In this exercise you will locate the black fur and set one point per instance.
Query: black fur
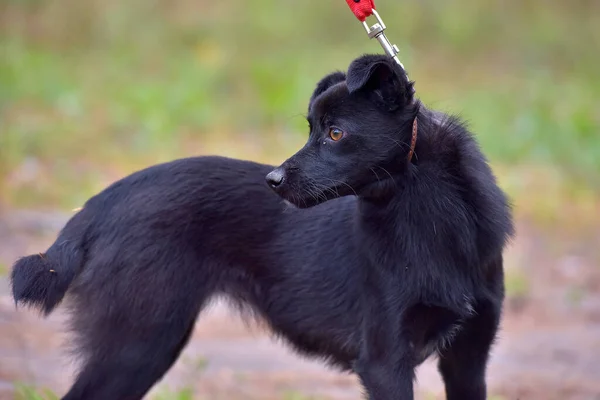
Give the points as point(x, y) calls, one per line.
point(383, 262)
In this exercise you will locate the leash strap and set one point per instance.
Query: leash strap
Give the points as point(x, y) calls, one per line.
point(361, 8)
point(365, 8)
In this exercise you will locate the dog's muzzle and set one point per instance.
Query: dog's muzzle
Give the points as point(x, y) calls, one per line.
point(276, 177)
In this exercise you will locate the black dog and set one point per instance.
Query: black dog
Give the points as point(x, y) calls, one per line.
point(392, 253)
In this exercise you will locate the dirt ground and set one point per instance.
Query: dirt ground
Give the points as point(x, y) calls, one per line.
point(548, 349)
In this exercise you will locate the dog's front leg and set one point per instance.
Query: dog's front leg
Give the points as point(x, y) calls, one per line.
point(386, 361)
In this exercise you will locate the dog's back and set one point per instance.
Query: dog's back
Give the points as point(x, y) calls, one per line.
point(142, 257)
point(172, 194)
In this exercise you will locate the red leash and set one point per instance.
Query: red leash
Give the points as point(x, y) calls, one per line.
point(361, 8)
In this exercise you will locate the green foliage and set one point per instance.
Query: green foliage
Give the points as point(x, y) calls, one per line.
point(517, 284)
point(183, 394)
point(26, 392)
point(293, 395)
point(90, 92)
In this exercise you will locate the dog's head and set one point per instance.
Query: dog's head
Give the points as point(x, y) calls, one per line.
point(360, 130)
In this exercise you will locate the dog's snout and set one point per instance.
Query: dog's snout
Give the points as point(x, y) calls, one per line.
point(275, 177)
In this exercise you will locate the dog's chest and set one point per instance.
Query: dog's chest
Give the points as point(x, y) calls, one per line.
point(432, 328)
point(435, 345)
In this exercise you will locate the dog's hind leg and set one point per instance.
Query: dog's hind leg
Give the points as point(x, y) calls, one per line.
point(132, 366)
point(463, 363)
point(132, 326)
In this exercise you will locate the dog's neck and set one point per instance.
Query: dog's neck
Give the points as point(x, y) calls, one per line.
point(421, 124)
point(426, 122)
point(406, 207)
point(413, 173)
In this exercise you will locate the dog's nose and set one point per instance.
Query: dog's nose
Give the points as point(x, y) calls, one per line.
point(275, 177)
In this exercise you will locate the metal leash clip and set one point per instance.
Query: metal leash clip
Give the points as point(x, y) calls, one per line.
point(377, 31)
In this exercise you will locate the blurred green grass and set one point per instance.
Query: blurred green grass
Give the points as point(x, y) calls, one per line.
point(27, 392)
point(92, 91)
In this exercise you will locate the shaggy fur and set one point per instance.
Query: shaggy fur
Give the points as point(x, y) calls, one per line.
point(382, 263)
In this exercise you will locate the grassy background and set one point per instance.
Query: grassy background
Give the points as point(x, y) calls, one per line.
point(90, 91)
point(93, 90)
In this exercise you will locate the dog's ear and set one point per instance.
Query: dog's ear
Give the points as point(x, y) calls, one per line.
point(382, 79)
point(326, 83)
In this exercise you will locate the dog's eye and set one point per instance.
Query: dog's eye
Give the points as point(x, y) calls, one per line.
point(335, 134)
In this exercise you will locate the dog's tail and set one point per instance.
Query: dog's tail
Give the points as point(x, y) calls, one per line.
point(41, 280)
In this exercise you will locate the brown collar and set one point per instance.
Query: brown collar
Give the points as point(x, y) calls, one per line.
point(413, 140)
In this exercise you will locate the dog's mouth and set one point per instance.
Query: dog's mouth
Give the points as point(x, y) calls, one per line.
point(308, 194)
point(301, 192)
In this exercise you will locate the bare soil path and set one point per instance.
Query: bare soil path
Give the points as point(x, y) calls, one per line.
point(549, 347)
